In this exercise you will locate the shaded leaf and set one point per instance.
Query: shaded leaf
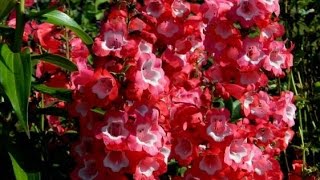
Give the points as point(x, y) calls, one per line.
point(61, 19)
point(61, 93)
point(20, 174)
point(234, 107)
point(52, 111)
point(99, 111)
point(5, 30)
point(5, 7)
point(56, 60)
point(317, 86)
point(15, 79)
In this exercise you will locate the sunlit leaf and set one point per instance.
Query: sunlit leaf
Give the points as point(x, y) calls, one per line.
point(20, 174)
point(56, 60)
point(5, 7)
point(15, 79)
point(61, 19)
point(61, 93)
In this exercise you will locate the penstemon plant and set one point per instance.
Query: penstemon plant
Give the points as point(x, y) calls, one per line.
point(166, 89)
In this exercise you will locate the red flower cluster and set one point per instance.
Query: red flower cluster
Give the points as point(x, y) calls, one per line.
point(158, 67)
point(157, 70)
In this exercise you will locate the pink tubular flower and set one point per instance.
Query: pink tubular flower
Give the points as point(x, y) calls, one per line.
point(256, 105)
point(285, 109)
point(252, 54)
point(264, 133)
point(88, 169)
point(278, 58)
point(103, 89)
point(145, 133)
point(116, 160)
point(168, 28)
point(272, 30)
point(180, 8)
point(150, 167)
point(154, 8)
point(149, 75)
point(210, 164)
point(235, 153)
point(218, 127)
point(184, 148)
point(49, 37)
point(146, 168)
point(105, 86)
point(249, 12)
point(112, 38)
point(113, 131)
point(272, 6)
point(248, 9)
point(247, 157)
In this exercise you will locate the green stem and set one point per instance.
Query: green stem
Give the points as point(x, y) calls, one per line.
point(286, 160)
point(300, 122)
point(293, 84)
point(20, 23)
point(42, 116)
point(302, 139)
point(67, 43)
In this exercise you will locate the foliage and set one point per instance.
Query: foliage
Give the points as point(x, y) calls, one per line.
point(301, 19)
point(71, 74)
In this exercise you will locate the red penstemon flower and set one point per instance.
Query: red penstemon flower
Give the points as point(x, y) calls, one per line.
point(157, 70)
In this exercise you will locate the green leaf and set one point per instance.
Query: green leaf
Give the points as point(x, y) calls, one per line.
point(18, 171)
point(5, 7)
point(98, 111)
point(6, 31)
point(56, 60)
point(52, 111)
point(61, 19)
point(20, 174)
point(15, 79)
point(61, 93)
point(98, 2)
point(234, 107)
point(317, 86)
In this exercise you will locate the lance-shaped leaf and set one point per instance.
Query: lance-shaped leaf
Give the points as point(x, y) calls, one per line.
point(6, 30)
point(56, 60)
point(5, 7)
point(20, 174)
point(52, 111)
point(61, 19)
point(99, 111)
point(234, 107)
point(60, 93)
point(15, 81)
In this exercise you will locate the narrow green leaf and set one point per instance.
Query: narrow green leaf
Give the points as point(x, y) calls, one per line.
point(34, 176)
point(99, 111)
point(6, 30)
point(52, 111)
point(15, 79)
point(63, 94)
point(61, 19)
point(98, 2)
point(236, 110)
point(5, 7)
point(18, 171)
point(56, 60)
point(234, 107)
point(20, 174)
point(317, 86)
